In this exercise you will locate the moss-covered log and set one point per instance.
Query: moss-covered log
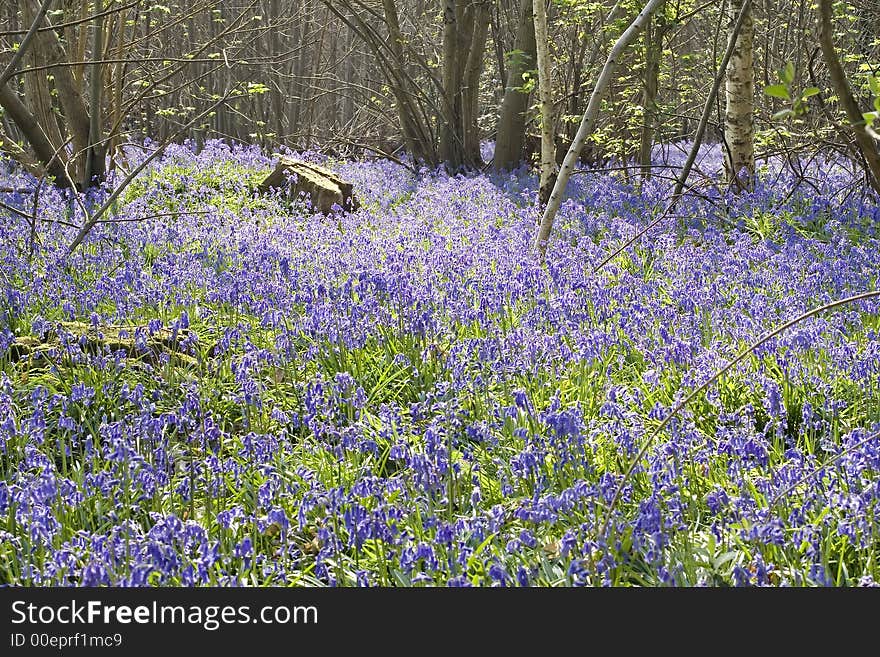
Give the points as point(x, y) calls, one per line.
point(106, 340)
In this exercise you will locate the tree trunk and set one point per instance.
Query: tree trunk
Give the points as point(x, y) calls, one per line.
point(465, 27)
point(512, 121)
point(450, 146)
point(863, 140)
point(350, 65)
point(739, 120)
point(545, 91)
point(276, 81)
point(51, 156)
point(30, 128)
point(76, 116)
point(119, 71)
point(471, 85)
point(95, 164)
point(653, 51)
point(297, 71)
point(37, 95)
point(409, 122)
point(588, 123)
point(498, 43)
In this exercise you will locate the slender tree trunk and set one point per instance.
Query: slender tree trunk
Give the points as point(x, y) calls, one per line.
point(76, 116)
point(94, 161)
point(409, 122)
point(739, 120)
point(350, 66)
point(471, 85)
point(498, 43)
point(850, 105)
point(313, 80)
point(277, 82)
point(37, 93)
point(294, 109)
point(450, 150)
point(118, 84)
point(29, 126)
point(75, 39)
point(512, 121)
point(148, 102)
point(588, 123)
point(653, 51)
point(50, 156)
point(545, 93)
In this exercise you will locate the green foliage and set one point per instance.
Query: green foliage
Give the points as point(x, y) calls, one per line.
point(530, 82)
point(256, 88)
point(797, 100)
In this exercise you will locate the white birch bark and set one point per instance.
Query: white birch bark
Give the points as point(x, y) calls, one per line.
point(739, 118)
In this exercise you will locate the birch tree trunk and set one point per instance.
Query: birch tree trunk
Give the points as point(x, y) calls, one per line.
point(588, 123)
point(739, 119)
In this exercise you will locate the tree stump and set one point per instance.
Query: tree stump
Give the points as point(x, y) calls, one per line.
point(323, 187)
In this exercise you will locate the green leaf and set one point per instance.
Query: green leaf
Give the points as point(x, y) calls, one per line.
point(256, 88)
point(874, 85)
point(782, 114)
point(877, 103)
point(777, 91)
point(720, 560)
point(787, 73)
point(810, 91)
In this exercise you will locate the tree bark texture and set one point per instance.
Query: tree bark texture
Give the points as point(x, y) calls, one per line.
point(515, 104)
point(545, 94)
point(739, 118)
point(653, 51)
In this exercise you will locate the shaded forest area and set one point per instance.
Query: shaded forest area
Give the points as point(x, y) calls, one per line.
point(429, 80)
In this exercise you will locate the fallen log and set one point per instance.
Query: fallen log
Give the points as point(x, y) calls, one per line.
point(105, 340)
point(323, 188)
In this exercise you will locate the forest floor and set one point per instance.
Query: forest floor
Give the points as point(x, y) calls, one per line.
point(222, 389)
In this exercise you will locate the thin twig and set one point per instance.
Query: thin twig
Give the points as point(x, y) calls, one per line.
point(9, 71)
